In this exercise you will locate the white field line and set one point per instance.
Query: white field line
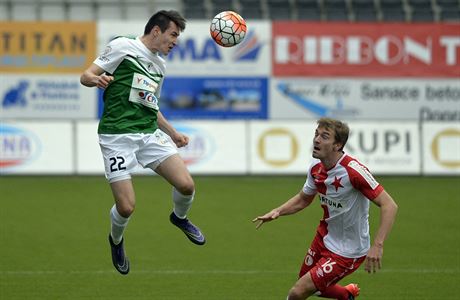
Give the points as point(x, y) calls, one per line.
point(207, 272)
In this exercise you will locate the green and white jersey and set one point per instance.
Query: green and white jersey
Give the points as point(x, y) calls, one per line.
point(131, 99)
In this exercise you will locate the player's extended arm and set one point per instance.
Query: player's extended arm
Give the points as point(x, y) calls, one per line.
point(178, 138)
point(95, 76)
point(293, 205)
point(388, 209)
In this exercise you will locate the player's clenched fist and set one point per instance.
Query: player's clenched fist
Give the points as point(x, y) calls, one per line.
point(103, 81)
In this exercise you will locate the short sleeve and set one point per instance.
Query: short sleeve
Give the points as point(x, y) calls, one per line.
point(111, 57)
point(362, 180)
point(309, 187)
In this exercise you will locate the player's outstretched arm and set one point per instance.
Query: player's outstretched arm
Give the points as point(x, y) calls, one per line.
point(293, 205)
point(388, 210)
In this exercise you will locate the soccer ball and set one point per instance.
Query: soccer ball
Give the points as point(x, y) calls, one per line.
point(228, 28)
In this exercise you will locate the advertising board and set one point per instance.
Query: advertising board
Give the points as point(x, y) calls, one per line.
point(215, 147)
point(46, 47)
point(214, 98)
point(36, 148)
point(286, 147)
point(51, 96)
point(441, 148)
point(366, 50)
point(365, 99)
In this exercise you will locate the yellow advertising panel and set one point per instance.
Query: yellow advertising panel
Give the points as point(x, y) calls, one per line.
point(46, 47)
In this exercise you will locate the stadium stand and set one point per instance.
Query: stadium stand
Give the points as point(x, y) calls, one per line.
point(222, 5)
point(448, 4)
point(449, 10)
point(109, 10)
point(421, 11)
point(23, 11)
point(336, 10)
point(52, 11)
point(311, 10)
point(279, 10)
point(393, 11)
point(138, 10)
point(195, 9)
point(364, 11)
point(81, 11)
point(252, 9)
point(4, 11)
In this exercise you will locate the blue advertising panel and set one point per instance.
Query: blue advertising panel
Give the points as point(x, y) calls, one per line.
point(213, 98)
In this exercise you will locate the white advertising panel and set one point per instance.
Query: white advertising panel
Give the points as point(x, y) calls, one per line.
point(386, 147)
point(286, 147)
point(89, 157)
point(197, 54)
point(36, 148)
point(214, 147)
point(364, 99)
point(441, 148)
point(47, 97)
point(280, 147)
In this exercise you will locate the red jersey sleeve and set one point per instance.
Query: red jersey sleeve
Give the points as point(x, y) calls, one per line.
point(362, 179)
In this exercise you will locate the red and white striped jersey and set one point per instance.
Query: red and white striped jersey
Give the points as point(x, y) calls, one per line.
point(344, 192)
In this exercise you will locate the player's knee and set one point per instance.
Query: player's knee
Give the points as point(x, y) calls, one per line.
point(186, 188)
point(125, 209)
point(295, 294)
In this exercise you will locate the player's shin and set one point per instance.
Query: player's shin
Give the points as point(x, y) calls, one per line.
point(182, 203)
point(119, 224)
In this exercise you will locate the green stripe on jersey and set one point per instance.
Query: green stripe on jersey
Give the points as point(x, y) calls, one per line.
point(121, 115)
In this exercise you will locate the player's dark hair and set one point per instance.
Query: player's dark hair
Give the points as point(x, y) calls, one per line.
point(341, 130)
point(162, 19)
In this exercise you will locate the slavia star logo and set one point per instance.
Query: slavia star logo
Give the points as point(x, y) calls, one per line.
point(337, 183)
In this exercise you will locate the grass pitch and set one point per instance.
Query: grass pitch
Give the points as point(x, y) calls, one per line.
point(53, 241)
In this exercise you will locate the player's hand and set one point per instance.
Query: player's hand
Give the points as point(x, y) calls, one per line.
point(374, 259)
point(270, 216)
point(103, 81)
point(180, 139)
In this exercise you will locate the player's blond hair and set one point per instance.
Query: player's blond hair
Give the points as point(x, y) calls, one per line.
point(341, 130)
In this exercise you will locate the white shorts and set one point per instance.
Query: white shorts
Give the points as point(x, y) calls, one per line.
point(123, 152)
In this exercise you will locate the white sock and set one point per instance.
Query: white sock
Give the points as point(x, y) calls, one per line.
point(119, 224)
point(182, 203)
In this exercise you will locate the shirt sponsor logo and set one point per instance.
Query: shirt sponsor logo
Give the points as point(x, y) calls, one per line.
point(143, 91)
point(364, 173)
point(145, 83)
point(329, 202)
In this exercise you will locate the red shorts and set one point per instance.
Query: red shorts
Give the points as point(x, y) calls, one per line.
point(327, 268)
